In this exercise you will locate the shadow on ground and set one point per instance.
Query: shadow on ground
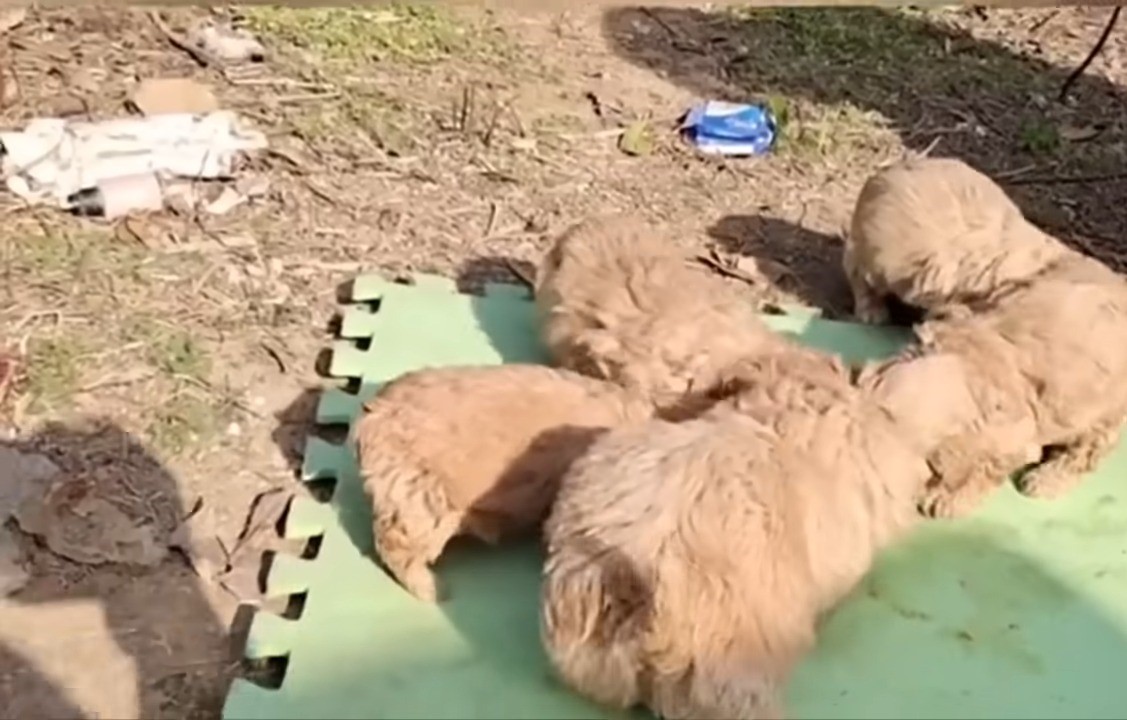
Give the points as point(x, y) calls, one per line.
point(927, 79)
point(157, 614)
point(477, 271)
point(810, 260)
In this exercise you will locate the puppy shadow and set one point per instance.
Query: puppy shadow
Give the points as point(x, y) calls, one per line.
point(493, 592)
point(501, 300)
point(799, 262)
point(295, 424)
point(476, 273)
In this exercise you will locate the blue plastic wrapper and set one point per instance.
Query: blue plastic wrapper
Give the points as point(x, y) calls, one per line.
point(723, 128)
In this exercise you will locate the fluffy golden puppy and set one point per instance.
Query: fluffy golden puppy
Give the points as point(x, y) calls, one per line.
point(929, 231)
point(1046, 361)
point(687, 563)
point(474, 450)
point(619, 301)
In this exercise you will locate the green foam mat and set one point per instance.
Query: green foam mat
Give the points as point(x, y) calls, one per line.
point(1017, 612)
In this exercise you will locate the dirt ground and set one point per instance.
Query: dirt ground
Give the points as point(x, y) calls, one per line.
point(164, 363)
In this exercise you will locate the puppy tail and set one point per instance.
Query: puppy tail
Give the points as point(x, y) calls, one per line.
point(591, 622)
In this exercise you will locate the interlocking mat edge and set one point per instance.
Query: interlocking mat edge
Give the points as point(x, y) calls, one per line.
point(1020, 611)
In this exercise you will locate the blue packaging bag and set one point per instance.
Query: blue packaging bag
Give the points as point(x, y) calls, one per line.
point(723, 128)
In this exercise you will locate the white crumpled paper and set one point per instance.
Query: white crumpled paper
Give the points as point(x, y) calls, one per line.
point(51, 159)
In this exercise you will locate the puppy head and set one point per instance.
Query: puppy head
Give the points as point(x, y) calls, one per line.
point(928, 396)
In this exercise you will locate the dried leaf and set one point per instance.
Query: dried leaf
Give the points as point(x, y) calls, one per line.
point(243, 584)
point(637, 139)
point(258, 531)
point(1080, 133)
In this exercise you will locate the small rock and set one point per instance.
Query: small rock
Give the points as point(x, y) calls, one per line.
point(234, 430)
point(225, 42)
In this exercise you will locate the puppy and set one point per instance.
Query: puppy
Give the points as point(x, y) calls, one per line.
point(688, 563)
point(1046, 360)
point(618, 301)
point(476, 451)
point(931, 231)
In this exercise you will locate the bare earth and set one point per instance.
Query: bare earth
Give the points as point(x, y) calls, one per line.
point(165, 363)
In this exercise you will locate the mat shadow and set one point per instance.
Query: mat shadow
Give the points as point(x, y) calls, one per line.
point(494, 282)
point(930, 80)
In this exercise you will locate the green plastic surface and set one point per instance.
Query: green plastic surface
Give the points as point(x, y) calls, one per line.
point(1018, 612)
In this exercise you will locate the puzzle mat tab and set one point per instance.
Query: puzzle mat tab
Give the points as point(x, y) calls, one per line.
point(1018, 612)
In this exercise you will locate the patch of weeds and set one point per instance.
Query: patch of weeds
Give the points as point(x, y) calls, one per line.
point(53, 371)
point(45, 254)
point(1039, 137)
point(398, 31)
point(185, 421)
point(382, 119)
point(814, 132)
point(76, 253)
point(361, 111)
point(179, 354)
point(171, 350)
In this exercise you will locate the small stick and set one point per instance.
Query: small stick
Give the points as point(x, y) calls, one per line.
point(1068, 179)
point(524, 277)
point(1091, 56)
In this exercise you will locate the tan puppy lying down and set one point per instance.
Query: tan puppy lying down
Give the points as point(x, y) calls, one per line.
point(934, 230)
point(688, 563)
point(1046, 365)
point(474, 450)
point(619, 301)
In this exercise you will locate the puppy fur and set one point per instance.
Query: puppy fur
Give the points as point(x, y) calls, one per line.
point(688, 563)
point(930, 231)
point(474, 450)
point(1046, 360)
point(619, 301)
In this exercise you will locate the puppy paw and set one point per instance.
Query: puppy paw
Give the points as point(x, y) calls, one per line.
point(420, 581)
point(935, 503)
point(875, 313)
point(1046, 482)
point(943, 503)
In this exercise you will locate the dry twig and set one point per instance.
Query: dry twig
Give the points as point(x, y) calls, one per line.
point(1091, 56)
